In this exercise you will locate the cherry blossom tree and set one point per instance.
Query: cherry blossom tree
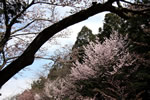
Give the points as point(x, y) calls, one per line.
point(100, 57)
point(107, 69)
point(27, 95)
point(97, 74)
point(101, 60)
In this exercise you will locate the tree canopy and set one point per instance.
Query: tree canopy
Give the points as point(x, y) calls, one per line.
point(9, 17)
point(113, 64)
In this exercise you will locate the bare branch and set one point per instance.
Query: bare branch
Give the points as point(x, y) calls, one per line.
point(45, 58)
point(134, 4)
point(18, 15)
point(23, 27)
point(5, 13)
point(4, 60)
point(139, 12)
point(8, 26)
point(23, 34)
point(40, 2)
point(55, 4)
point(27, 26)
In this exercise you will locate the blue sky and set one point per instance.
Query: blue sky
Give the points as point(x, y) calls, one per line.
point(15, 86)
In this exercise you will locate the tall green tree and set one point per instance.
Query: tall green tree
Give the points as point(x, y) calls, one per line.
point(83, 38)
point(112, 23)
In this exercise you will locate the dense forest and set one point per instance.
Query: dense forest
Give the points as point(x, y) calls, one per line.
point(26, 25)
point(111, 65)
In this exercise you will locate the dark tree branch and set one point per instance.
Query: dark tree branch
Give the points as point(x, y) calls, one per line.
point(119, 4)
point(5, 12)
point(26, 33)
point(139, 12)
point(20, 14)
point(12, 22)
point(110, 2)
point(4, 60)
point(119, 12)
point(7, 33)
point(5, 38)
point(13, 35)
point(134, 4)
point(23, 27)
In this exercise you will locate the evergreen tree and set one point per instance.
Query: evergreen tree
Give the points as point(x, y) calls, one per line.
point(83, 38)
point(112, 23)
